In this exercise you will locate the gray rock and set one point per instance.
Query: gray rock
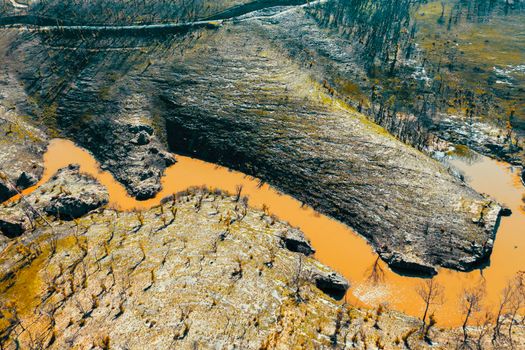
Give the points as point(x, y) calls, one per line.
point(405, 265)
point(11, 229)
point(142, 138)
point(332, 284)
point(328, 281)
point(295, 241)
point(71, 207)
point(6, 191)
point(138, 128)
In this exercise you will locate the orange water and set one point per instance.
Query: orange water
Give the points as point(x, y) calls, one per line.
point(336, 244)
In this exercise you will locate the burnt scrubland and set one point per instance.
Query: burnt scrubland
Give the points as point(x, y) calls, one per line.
point(454, 68)
point(202, 269)
point(326, 101)
point(230, 95)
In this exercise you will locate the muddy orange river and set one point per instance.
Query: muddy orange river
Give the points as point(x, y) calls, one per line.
point(336, 244)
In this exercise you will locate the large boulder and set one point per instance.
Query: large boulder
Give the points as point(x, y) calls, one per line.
point(12, 228)
point(71, 207)
point(295, 241)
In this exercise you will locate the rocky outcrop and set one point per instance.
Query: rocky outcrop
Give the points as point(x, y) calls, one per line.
point(233, 96)
point(68, 195)
point(479, 136)
point(408, 264)
point(22, 146)
point(71, 207)
point(26, 180)
point(12, 226)
point(128, 148)
point(331, 283)
point(295, 241)
point(165, 278)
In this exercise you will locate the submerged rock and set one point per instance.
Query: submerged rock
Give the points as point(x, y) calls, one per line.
point(505, 211)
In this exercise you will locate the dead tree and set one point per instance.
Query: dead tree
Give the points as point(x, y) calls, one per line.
point(470, 301)
point(517, 303)
point(507, 304)
point(431, 292)
point(483, 326)
point(376, 273)
point(238, 190)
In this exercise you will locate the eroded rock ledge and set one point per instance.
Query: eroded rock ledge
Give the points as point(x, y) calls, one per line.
point(67, 196)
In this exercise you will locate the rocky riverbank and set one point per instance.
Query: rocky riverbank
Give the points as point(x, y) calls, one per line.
point(22, 147)
point(201, 270)
point(234, 96)
point(269, 91)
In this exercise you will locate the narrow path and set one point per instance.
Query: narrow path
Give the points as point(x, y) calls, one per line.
point(238, 13)
point(17, 5)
